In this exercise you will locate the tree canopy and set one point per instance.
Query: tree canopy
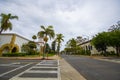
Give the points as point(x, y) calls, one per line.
point(59, 39)
point(110, 38)
point(5, 22)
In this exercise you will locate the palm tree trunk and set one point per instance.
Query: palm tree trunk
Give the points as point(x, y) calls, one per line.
point(44, 50)
point(1, 31)
point(58, 48)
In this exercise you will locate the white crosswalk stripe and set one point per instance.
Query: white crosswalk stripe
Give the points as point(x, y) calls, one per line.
point(45, 70)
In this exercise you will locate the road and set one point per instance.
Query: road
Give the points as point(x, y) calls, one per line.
point(93, 69)
point(29, 69)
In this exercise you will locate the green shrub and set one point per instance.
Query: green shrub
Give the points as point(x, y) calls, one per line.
point(51, 54)
point(33, 52)
point(13, 54)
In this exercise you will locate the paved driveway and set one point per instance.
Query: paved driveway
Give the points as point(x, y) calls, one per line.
point(93, 69)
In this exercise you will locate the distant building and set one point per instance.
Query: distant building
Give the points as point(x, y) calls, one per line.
point(88, 46)
point(11, 42)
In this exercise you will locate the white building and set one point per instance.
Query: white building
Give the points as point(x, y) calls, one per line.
point(11, 42)
point(88, 46)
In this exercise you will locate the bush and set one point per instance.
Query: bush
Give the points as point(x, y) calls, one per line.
point(32, 52)
point(51, 54)
point(13, 54)
point(112, 53)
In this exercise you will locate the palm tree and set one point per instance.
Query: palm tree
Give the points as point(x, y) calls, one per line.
point(45, 33)
point(72, 43)
point(5, 22)
point(59, 39)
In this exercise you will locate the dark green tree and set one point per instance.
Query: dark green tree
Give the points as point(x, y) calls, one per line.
point(115, 40)
point(29, 48)
point(114, 37)
point(101, 41)
point(71, 46)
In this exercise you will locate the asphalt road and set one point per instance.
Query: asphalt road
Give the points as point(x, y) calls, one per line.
point(93, 69)
point(29, 69)
point(10, 68)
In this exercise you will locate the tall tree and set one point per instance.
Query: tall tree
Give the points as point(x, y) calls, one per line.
point(114, 40)
point(101, 41)
point(59, 39)
point(45, 33)
point(71, 46)
point(71, 43)
point(114, 37)
point(5, 22)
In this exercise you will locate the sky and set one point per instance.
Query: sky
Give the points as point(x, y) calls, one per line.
point(72, 18)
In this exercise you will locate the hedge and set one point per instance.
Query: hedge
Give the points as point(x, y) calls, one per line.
point(13, 54)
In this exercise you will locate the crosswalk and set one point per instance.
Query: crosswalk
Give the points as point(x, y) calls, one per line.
point(45, 70)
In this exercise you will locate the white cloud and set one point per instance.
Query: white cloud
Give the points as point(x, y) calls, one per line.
point(69, 17)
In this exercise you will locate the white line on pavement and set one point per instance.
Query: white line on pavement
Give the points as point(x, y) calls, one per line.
point(29, 70)
point(34, 71)
point(17, 76)
point(14, 70)
point(59, 76)
point(43, 67)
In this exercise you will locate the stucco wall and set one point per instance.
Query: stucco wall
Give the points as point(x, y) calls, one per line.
point(20, 41)
point(5, 39)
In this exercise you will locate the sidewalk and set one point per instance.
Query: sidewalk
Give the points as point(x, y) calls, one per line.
point(68, 72)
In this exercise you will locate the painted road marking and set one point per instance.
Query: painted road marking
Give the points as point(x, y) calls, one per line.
point(33, 74)
point(59, 76)
point(16, 78)
point(10, 64)
point(5, 64)
point(14, 70)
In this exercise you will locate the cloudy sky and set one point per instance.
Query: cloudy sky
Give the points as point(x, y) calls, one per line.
point(72, 18)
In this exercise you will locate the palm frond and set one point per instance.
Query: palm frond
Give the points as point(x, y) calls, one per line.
point(10, 25)
point(3, 15)
point(14, 17)
point(42, 27)
point(40, 34)
point(50, 27)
